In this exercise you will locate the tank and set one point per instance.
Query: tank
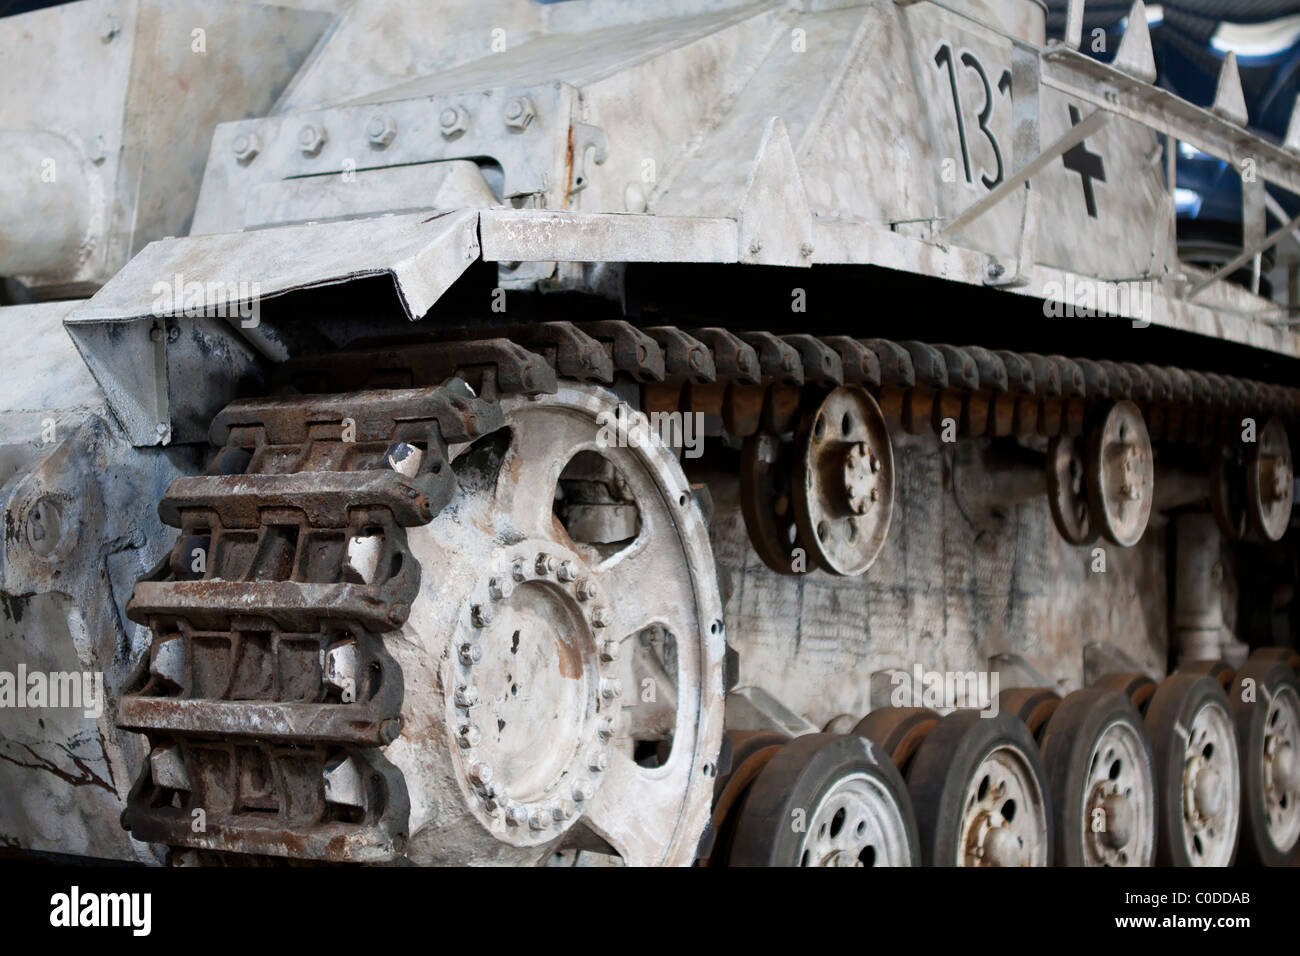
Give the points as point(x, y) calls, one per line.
point(709, 432)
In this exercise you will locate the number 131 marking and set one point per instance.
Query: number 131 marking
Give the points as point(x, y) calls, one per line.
point(944, 59)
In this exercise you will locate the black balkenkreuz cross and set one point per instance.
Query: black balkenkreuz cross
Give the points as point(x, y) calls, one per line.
point(1087, 165)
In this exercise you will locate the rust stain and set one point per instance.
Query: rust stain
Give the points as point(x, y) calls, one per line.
point(570, 660)
point(88, 777)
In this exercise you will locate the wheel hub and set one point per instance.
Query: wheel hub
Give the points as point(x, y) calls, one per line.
point(1004, 822)
point(534, 707)
point(1208, 793)
point(1211, 807)
point(860, 468)
point(1281, 769)
point(1119, 821)
point(1120, 791)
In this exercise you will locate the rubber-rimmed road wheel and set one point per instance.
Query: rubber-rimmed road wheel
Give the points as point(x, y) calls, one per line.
point(1136, 686)
point(1287, 655)
point(1102, 779)
point(827, 800)
point(898, 731)
point(1033, 705)
point(1265, 702)
point(1198, 772)
point(750, 752)
point(980, 793)
point(1218, 671)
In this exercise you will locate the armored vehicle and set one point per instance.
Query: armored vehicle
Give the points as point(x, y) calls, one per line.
point(699, 432)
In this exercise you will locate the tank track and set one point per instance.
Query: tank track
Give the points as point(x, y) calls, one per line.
point(267, 695)
point(267, 692)
point(753, 380)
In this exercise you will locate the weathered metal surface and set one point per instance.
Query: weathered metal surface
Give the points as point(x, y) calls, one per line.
point(135, 119)
point(214, 284)
point(80, 525)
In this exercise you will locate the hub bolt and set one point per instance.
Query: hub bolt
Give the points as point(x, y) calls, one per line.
point(609, 651)
point(611, 688)
point(481, 614)
point(481, 773)
point(466, 695)
point(470, 653)
point(600, 616)
point(544, 565)
point(586, 590)
point(598, 762)
point(566, 572)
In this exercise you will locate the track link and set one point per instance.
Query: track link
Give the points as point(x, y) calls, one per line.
point(267, 692)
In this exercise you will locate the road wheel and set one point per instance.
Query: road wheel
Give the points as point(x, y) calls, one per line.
point(980, 793)
point(827, 800)
point(1265, 701)
point(1102, 780)
point(1198, 772)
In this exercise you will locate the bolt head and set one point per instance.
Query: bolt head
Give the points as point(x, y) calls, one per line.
point(466, 695)
point(544, 564)
point(600, 616)
point(516, 816)
point(583, 791)
point(566, 571)
point(499, 589)
point(562, 810)
point(381, 129)
point(609, 651)
point(245, 147)
point(468, 736)
point(481, 615)
point(453, 121)
point(311, 138)
point(611, 688)
point(517, 570)
point(605, 728)
point(539, 819)
point(598, 761)
point(519, 112)
point(587, 590)
point(470, 653)
point(481, 773)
